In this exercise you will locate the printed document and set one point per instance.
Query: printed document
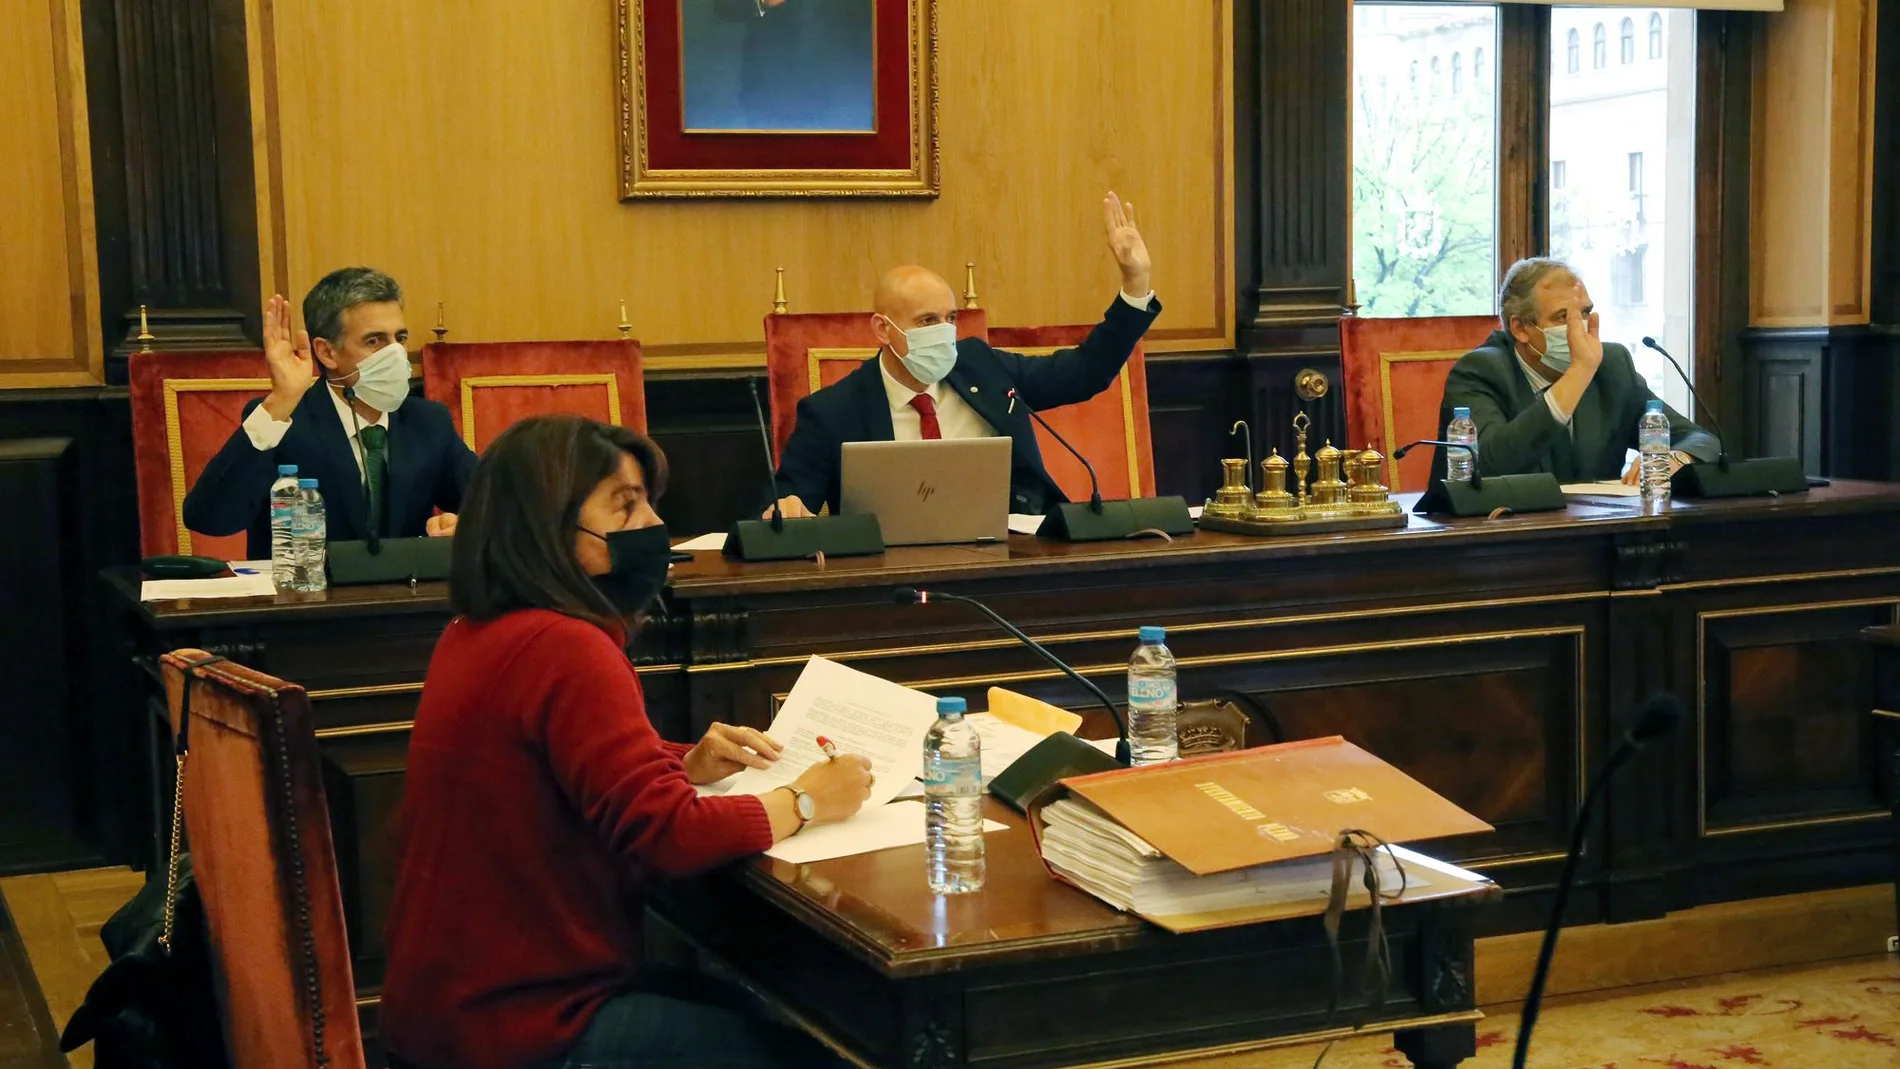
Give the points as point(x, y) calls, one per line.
point(861, 714)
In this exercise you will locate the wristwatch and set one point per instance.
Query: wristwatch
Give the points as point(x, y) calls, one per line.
point(803, 804)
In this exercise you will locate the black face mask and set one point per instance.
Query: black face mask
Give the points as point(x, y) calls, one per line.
point(637, 570)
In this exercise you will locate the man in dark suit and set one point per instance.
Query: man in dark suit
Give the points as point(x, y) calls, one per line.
point(1548, 395)
point(382, 460)
point(926, 383)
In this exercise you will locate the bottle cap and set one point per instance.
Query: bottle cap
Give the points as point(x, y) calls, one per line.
point(1150, 633)
point(306, 484)
point(286, 469)
point(950, 706)
point(1461, 412)
point(1653, 405)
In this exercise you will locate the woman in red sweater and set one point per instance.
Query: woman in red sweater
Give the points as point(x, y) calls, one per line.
point(539, 799)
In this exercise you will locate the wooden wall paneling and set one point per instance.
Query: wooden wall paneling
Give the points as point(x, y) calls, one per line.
point(717, 461)
point(1782, 392)
point(49, 284)
point(1523, 133)
point(1885, 244)
point(177, 211)
point(1192, 401)
point(1725, 47)
point(501, 204)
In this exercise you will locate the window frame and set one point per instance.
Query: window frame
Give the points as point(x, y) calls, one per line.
point(1573, 51)
point(1599, 47)
point(1655, 35)
point(1626, 41)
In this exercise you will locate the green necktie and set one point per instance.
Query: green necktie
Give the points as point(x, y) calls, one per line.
point(375, 473)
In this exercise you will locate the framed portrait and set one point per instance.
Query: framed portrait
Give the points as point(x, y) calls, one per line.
point(777, 98)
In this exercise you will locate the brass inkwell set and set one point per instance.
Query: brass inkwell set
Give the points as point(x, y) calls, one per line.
point(1344, 495)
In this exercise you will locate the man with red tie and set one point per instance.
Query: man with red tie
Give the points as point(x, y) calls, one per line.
point(925, 383)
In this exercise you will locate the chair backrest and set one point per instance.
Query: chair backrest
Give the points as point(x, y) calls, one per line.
point(1395, 373)
point(807, 351)
point(1111, 428)
point(261, 852)
point(490, 385)
point(184, 407)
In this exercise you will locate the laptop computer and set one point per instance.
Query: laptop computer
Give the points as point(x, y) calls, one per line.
point(926, 493)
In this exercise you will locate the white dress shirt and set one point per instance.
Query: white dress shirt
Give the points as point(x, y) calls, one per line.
point(955, 418)
point(265, 433)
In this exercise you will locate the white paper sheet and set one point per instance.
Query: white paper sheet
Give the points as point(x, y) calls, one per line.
point(706, 543)
point(880, 828)
point(1024, 525)
point(1607, 488)
point(228, 586)
point(861, 714)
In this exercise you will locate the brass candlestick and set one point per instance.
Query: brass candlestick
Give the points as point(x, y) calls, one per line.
point(1301, 462)
point(969, 284)
point(626, 327)
point(441, 328)
point(145, 338)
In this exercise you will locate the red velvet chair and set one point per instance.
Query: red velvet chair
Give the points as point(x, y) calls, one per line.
point(1395, 379)
point(1111, 428)
point(490, 385)
point(184, 407)
point(261, 853)
point(807, 351)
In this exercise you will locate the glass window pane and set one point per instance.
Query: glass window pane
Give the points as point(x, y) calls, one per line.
point(1622, 146)
point(1424, 190)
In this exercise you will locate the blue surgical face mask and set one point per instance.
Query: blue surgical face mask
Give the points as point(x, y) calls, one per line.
point(932, 351)
point(1556, 354)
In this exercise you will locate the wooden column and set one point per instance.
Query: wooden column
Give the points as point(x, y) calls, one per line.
point(169, 94)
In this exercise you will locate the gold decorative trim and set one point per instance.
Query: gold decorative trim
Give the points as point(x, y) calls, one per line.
point(376, 691)
point(974, 645)
point(1703, 831)
point(815, 358)
point(473, 382)
point(174, 437)
point(639, 179)
point(1889, 713)
point(1790, 577)
point(1392, 443)
point(357, 731)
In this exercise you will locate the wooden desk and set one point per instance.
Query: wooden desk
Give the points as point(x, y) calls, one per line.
point(1886, 641)
point(1494, 660)
point(1030, 973)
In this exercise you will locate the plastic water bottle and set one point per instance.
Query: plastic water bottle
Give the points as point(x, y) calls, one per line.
point(1152, 700)
point(1652, 444)
point(283, 506)
point(953, 802)
point(1459, 463)
point(309, 533)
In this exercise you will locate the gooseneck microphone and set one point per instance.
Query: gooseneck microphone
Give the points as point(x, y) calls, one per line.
point(771, 471)
point(1721, 440)
point(1656, 717)
point(375, 538)
point(1477, 480)
point(1095, 485)
point(910, 596)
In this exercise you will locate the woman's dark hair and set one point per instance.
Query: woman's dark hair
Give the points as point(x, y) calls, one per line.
point(514, 539)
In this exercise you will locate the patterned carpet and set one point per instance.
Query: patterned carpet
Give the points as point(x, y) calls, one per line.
point(1843, 1015)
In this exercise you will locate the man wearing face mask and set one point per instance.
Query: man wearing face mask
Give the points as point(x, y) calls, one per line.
point(926, 383)
point(339, 408)
point(1548, 395)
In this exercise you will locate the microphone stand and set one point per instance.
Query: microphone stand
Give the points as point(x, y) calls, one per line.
point(1492, 497)
point(1100, 521)
point(806, 536)
point(1732, 478)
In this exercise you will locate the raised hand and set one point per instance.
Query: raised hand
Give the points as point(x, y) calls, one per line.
point(1586, 345)
point(288, 358)
point(1125, 242)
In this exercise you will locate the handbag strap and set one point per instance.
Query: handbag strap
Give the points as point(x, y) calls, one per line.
point(181, 747)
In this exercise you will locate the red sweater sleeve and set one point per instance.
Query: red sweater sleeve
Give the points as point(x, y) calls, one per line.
point(677, 749)
point(617, 771)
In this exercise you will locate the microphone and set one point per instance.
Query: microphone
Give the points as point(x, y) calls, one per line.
point(771, 471)
point(375, 538)
point(1721, 440)
point(911, 596)
point(1656, 717)
point(1477, 480)
point(1095, 485)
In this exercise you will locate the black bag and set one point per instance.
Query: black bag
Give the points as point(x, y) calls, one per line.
point(155, 1006)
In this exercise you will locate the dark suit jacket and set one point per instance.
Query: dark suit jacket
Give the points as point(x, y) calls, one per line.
point(1517, 433)
point(856, 408)
point(429, 468)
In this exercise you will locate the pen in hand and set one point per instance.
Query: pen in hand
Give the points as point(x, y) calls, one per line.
point(831, 750)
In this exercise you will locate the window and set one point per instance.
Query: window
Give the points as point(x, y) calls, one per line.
point(1424, 162)
point(1622, 191)
point(1573, 52)
point(1626, 42)
point(1414, 69)
point(1655, 35)
point(1599, 48)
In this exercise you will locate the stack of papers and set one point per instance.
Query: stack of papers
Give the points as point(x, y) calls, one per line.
point(1089, 849)
point(228, 586)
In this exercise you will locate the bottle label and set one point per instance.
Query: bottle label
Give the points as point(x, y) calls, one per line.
point(1151, 690)
point(949, 775)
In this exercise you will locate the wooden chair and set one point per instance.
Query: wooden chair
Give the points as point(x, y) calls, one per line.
point(1111, 428)
point(488, 386)
point(185, 405)
point(261, 852)
point(1395, 373)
